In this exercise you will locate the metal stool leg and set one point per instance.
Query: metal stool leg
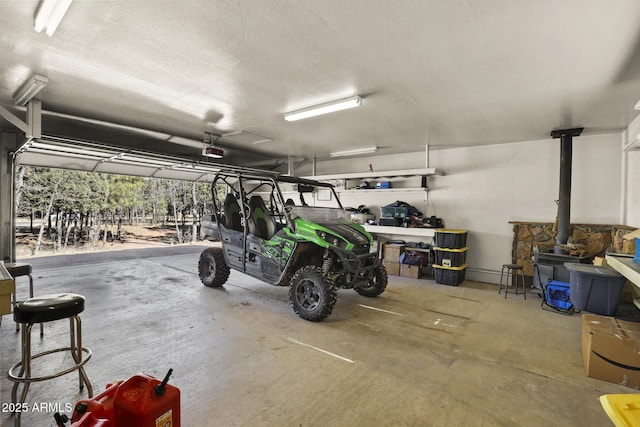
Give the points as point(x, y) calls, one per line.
point(30, 296)
point(25, 370)
point(524, 289)
point(500, 285)
point(75, 327)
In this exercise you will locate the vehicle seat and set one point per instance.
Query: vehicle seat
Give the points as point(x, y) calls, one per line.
point(261, 224)
point(231, 210)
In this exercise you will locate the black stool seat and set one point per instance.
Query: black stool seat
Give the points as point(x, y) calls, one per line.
point(48, 308)
point(512, 266)
point(16, 270)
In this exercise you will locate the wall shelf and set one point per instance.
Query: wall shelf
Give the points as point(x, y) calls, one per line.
point(378, 174)
point(379, 190)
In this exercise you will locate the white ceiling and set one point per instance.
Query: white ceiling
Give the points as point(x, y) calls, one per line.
point(443, 73)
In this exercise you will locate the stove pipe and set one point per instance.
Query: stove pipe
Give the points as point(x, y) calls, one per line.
point(564, 199)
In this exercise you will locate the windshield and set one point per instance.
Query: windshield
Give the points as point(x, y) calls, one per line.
point(320, 215)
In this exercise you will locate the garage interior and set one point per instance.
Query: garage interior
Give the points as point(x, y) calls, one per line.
point(463, 110)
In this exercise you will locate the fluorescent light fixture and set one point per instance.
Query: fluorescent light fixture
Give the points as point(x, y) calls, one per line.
point(637, 106)
point(354, 152)
point(29, 89)
point(329, 107)
point(49, 15)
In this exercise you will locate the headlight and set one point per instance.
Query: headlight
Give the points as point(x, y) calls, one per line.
point(331, 239)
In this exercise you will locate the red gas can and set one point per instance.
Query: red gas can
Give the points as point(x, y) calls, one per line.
point(90, 420)
point(96, 412)
point(144, 401)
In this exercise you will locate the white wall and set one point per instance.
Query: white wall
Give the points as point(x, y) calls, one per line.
point(485, 187)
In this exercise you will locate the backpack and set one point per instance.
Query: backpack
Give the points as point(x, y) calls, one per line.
point(419, 259)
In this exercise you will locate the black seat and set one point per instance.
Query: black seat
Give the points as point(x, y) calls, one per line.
point(47, 308)
point(261, 223)
point(232, 214)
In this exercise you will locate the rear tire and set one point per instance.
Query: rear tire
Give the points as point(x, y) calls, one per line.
point(311, 295)
point(377, 284)
point(212, 268)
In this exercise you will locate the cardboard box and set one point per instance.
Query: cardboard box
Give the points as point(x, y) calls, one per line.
point(611, 349)
point(392, 251)
point(392, 267)
point(412, 271)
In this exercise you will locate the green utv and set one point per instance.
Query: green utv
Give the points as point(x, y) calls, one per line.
point(282, 230)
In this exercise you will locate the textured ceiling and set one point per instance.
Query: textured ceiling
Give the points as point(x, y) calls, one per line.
point(443, 73)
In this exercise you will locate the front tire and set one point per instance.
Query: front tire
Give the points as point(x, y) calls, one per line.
point(377, 284)
point(212, 268)
point(311, 295)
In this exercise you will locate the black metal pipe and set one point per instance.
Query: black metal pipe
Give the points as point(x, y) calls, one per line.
point(564, 199)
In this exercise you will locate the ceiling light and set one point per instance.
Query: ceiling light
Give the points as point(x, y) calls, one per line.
point(49, 15)
point(29, 89)
point(329, 107)
point(354, 152)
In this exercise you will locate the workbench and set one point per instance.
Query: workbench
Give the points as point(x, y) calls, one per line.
point(7, 287)
point(630, 269)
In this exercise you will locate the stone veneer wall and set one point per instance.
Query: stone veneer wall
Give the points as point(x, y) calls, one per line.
point(584, 240)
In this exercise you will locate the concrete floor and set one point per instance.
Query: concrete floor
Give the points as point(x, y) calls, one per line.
point(421, 354)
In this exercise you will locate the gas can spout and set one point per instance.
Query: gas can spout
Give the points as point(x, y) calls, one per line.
point(160, 388)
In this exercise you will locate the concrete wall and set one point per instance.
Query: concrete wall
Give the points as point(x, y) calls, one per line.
point(485, 187)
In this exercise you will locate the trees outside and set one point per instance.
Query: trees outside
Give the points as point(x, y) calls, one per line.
point(73, 208)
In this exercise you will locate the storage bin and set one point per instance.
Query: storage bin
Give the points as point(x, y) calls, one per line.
point(412, 271)
point(595, 288)
point(637, 257)
point(451, 239)
point(392, 251)
point(392, 267)
point(558, 294)
point(622, 409)
point(449, 275)
point(451, 257)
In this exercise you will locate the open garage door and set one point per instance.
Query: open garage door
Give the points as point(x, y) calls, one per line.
point(65, 153)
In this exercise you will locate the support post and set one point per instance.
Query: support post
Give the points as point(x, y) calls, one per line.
point(7, 210)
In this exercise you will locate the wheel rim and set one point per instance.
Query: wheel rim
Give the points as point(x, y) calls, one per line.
point(308, 295)
point(209, 268)
point(372, 282)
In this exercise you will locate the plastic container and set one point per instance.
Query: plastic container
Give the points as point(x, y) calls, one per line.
point(451, 257)
point(558, 294)
point(636, 258)
point(449, 275)
point(595, 288)
point(623, 409)
point(451, 239)
point(138, 403)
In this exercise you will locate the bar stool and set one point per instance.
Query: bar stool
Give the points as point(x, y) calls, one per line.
point(17, 270)
point(48, 308)
point(514, 271)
